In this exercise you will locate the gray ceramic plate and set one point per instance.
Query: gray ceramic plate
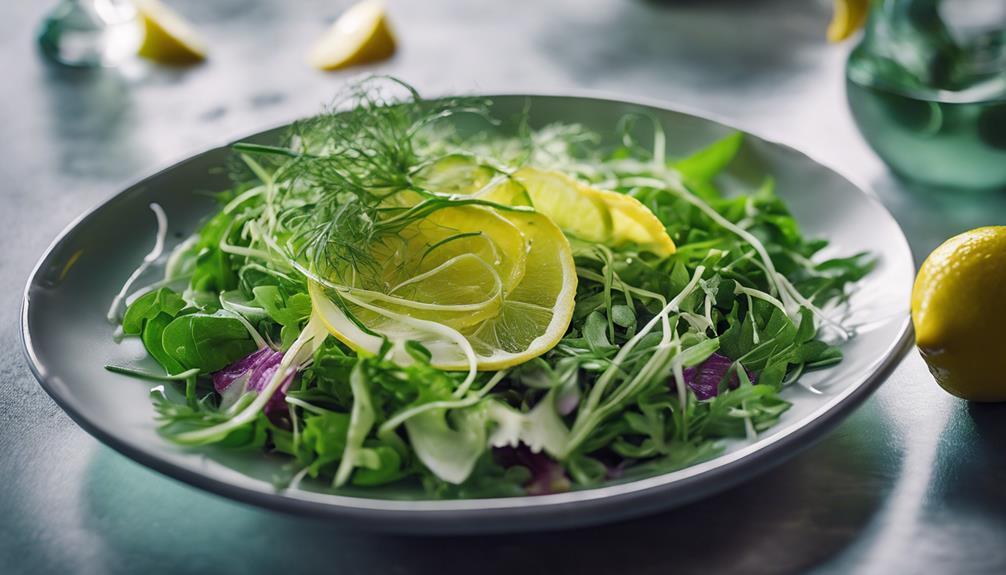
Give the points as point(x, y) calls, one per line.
point(68, 339)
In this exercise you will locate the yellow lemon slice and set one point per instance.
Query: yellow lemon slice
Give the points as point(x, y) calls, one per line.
point(167, 37)
point(361, 35)
point(509, 301)
point(958, 310)
point(462, 175)
point(581, 210)
point(848, 17)
point(455, 174)
point(594, 214)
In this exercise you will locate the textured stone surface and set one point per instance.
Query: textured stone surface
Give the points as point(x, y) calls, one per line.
point(912, 482)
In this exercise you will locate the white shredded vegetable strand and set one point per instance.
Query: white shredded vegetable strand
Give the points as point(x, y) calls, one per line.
point(148, 260)
point(407, 414)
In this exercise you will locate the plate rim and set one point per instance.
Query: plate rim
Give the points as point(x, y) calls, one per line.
point(703, 478)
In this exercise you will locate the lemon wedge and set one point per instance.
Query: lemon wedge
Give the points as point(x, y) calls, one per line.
point(361, 35)
point(849, 16)
point(493, 287)
point(167, 37)
point(958, 311)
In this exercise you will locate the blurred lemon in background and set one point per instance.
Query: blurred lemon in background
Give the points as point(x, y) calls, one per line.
point(959, 312)
point(361, 35)
point(849, 16)
point(167, 37)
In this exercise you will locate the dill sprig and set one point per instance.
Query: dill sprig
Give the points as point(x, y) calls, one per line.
point(339, 172)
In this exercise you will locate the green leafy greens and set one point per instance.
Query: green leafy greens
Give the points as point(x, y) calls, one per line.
point(663, 359)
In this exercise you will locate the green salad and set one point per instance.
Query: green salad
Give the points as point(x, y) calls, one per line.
point(387, 298)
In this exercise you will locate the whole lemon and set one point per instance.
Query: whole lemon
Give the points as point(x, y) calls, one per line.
point(959, 312)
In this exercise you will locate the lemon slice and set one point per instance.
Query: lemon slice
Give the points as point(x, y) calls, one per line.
point(589, 213)
point(594, 214)
point(361, 35)
point(167, 37)
point(491, 235)
point(455, 174)
point(532, 316)
point(454, 267)
point(459, 174)
point(849, 16)
point(461, 292)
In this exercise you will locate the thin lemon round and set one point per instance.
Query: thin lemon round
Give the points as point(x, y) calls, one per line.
point(360, 36)
point(448, 233)
point(958, 310)
point(581, 210)
point(453, 267)
point(464, 175)
point(532, 316)
point(455, 174)
point(167, 37)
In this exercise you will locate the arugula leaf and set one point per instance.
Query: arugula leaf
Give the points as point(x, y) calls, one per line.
point(152, 337)
point(727, 412)
point(816, 354)
point(207, 342)
point(738, 338)
point(595, 332)
point(214, 268)
point(623, 316)
point(680, 454)
point(774, 371)
point(287, 310)
point(488, 478)
point(806, 330)
point(325, 434)
point(148, 317)
point(149, 306)
point(382, 464)
point(177, 417)
point(587, 470)
point(701, 167)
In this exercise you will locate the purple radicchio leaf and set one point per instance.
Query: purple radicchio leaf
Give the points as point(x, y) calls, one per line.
point(240, 369)
point(252, 373)
point(547, 475)
point(704, 379)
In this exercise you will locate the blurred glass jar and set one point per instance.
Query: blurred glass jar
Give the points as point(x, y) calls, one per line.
point(927, 87)
point(88, 33)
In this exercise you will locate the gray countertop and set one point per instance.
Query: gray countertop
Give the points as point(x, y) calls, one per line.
point(914, 481)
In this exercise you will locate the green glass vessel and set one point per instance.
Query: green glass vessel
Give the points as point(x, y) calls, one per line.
point(927, 87)
point(90, 33)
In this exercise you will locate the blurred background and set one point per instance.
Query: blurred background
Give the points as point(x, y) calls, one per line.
point(765, 65)
point(911, 481)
